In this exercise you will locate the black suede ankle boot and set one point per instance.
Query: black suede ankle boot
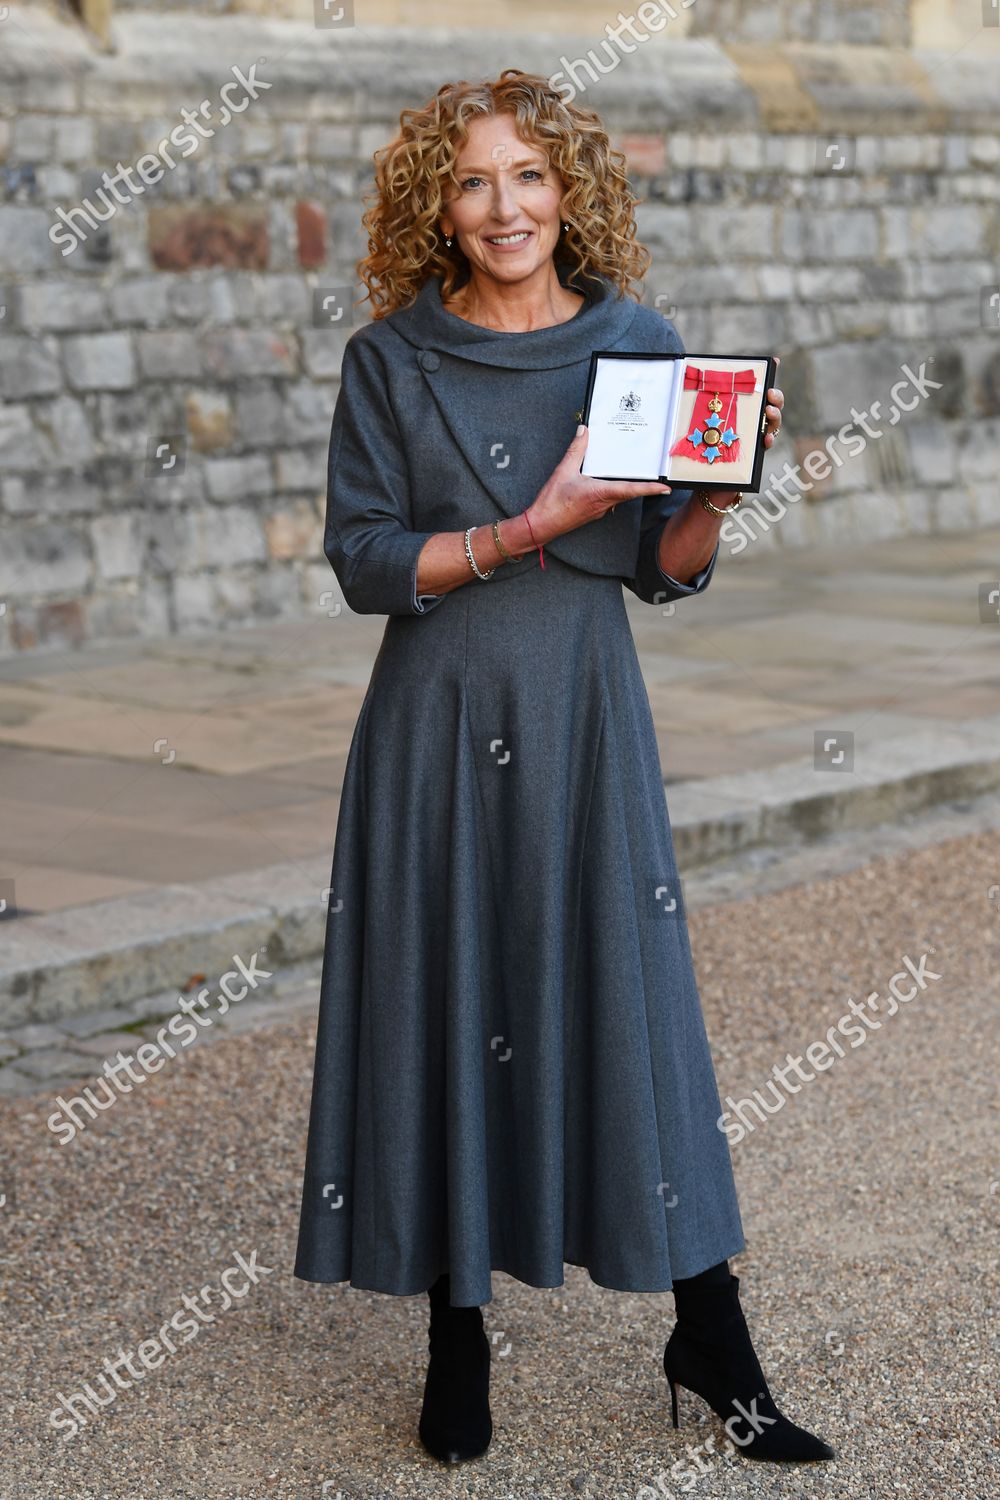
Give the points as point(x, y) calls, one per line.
point(710, 1352)
point(455, 1423)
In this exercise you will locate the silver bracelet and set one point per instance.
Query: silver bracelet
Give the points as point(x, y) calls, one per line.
point(472, 561)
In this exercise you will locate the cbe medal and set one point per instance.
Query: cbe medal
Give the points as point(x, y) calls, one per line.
point(711, 437)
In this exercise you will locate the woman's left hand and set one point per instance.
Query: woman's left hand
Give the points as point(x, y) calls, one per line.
point(775, 401)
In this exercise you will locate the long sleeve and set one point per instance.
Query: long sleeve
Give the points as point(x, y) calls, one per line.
point(650, 582)
point(368, 541)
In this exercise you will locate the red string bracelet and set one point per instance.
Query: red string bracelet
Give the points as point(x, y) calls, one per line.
point(541, 553)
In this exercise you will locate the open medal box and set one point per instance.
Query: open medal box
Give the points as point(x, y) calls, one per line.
point(684, 419)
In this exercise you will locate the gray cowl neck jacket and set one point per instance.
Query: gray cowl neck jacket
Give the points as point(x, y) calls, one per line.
point(441, 424)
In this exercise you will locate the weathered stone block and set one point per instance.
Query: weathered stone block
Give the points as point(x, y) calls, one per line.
point(238, 478)
point(225, 536)
point(671, 227)
point(984, 150)
point(166, 536)
point(32, 138)
point(645, 154)
point(29, 367)
point(61, 306)
point(234, 354)
point(293, 532)
point(308, 412)
point(142, 300)
point(170, 354)
point(117, 546)
point(713, 232)
point(310, 227)
point(59, 493)
point(260, 416)
point(67, 424)
point(57, 623)
point(952, 509)
point(74, 138)
point(323, 351)
point(210, 420)
point(847, 234)
point(127, 420)
point(775, 283)
point(283, 299)
point(44, 559)
point(21, 447)
point(963, 230)
point(233, 297)
point(301, 469)
point(14, 496)
point(24, 240)
point(227, 234)
point(100, 362)
point(113, 610)
point(278, 593)
point(193, 601)
point(331, 142)
point(56, 184)
point(234, 593)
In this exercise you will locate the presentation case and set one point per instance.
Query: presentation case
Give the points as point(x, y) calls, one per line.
point(692, 420)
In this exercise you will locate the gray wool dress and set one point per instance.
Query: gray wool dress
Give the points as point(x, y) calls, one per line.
point(511, 1068)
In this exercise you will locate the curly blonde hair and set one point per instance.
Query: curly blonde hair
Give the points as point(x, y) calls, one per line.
point(404, 243)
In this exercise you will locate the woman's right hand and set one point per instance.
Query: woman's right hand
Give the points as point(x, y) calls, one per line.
point(569, 499)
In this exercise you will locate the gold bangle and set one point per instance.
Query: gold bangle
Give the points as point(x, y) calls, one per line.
point(717, 510)
point(518, 556)
point(500, 546)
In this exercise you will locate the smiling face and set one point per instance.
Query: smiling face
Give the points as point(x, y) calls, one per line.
point(506, 215)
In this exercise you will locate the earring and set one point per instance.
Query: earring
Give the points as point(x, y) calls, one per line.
point(447, 240)
point(566, 227)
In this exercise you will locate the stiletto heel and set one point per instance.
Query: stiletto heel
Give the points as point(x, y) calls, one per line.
point(710, 1353)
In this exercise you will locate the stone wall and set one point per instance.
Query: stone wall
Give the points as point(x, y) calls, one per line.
point(942, 24)
point(167, 387)
point(887, 23)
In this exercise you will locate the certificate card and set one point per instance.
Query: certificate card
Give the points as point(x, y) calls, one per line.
point(686, 419)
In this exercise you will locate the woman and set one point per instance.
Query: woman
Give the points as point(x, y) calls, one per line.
point(511, 1066)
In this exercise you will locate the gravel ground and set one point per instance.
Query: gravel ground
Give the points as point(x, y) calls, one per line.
point(871, 1204)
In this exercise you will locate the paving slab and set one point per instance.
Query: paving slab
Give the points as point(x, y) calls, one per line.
point(53, 1062)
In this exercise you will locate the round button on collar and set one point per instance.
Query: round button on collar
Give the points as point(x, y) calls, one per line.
point(429, 360)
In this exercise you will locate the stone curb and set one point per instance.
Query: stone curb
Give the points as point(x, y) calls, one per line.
point(110, 953)
point(716, 818)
